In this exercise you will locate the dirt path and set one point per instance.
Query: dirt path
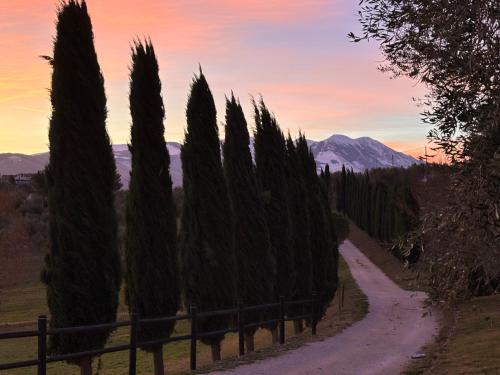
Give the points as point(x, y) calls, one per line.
point(381, 343)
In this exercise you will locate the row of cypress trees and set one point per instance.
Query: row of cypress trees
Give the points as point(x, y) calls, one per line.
point(249, 232)
point(380, 201)
point(250, 219)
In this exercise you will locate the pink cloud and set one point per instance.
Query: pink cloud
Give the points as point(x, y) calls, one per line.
point(322, 91)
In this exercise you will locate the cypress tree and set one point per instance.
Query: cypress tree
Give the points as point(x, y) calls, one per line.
point(271, 167)
point(82, 270)
point(327, 181)
point(324, 267)
point(373, 204)
point(332, 254)
point(380, 202)
point(151, 249)
point(341, 195)
point(207, 234)
point(366, 202)
point(256, 264)
point(378, 211)
point(298, 199)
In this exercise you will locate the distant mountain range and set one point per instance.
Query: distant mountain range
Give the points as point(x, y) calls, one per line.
point(359, 154)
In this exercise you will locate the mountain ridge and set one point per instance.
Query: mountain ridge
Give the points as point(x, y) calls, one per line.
point(357, 153)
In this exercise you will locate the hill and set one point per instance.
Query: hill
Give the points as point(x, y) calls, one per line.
point(359, 154)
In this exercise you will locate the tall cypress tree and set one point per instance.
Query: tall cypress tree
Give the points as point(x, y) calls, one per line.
point(151, 249)
point(332, 254)
point(256, 264)
point(341, 191)
point(366, 202)
point(271, 167)
point(207, 233)
point(298, 199)
point(327, 181)
point(324, 266)
point(82, 270)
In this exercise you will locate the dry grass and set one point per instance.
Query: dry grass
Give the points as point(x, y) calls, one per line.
point(21, 248)
point(22, 303)
point(469, 342)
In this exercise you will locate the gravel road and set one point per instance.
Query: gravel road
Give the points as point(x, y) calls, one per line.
point(382, 343)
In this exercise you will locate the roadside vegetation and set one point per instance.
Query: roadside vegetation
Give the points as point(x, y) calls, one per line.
point(451, 47)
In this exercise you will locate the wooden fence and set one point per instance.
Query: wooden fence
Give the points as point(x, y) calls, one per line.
point(310, 305)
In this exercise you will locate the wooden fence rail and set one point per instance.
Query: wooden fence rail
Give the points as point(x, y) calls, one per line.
point(135, 323)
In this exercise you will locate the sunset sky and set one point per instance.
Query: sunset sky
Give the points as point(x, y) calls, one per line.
point(293, 52)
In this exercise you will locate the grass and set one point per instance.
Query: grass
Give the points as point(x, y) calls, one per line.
point(21, 304)
point(469, 342)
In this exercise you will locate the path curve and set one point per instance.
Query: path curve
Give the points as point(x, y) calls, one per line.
point(381, 343)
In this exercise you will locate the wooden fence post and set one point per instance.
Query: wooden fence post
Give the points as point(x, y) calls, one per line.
point(282, 320)
point(42, 345)
point(194, 323)
point(241, 329)
point(313, 313)
point(134, 329)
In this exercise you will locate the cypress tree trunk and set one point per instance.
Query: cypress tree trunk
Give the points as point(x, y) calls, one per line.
point(298, 326)
point(215, 349)
point(256, 264)
point(150, 247)
point(82, 270)
point(207, 230)
point(85, 366)
point(274, 335)
point(250, 342)
point(158, 360)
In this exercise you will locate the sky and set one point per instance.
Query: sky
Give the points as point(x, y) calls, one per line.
point(293, 52)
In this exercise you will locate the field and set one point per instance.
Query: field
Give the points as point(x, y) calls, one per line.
point(21, 304)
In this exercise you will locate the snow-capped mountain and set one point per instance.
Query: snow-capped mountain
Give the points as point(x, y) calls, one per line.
point(359, 154)
point(20, 163)
point(124, 159)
